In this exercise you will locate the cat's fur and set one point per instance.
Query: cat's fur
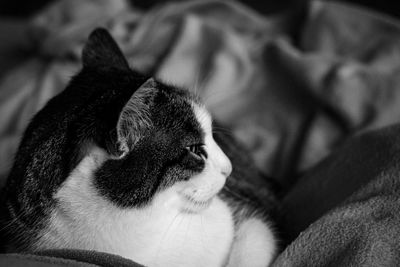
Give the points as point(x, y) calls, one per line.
point(105, 166)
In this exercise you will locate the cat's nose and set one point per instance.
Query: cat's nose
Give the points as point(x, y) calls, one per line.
point(219, 160)
point(224, 164)
point(226, 170)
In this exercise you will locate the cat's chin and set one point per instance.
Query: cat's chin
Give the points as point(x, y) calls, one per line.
point(192, 205)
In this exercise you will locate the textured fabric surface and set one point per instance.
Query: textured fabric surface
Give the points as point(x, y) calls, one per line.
point(64, 257)
point(21, 260)
point(360, 187)
point(89, 258)
point(297, 89)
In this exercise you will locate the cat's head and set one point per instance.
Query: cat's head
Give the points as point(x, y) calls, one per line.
point(111, 135)
point(163, 139)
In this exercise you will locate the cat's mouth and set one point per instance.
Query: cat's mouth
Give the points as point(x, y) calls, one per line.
point(192, 205)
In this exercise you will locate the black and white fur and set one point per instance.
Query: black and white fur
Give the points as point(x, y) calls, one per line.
point(124, 164)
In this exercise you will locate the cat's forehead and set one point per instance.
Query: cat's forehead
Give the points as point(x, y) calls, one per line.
point(203, 117)
point(181, 105)
point(178, 95)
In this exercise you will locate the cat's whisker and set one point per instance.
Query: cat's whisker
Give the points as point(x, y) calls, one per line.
point(181, 221)
point(150, 213)
point(200, 83)
point(223, 132)
point(16, 218)
point(187, 228)
point(237, 195)
point(207, 95)
point(202, 232)
point(196, 84)
point(217, 128)
point(220, 128)
point(198, 87)
point(165, 234)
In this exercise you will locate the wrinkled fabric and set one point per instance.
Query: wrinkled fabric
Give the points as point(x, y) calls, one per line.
point(290, 90)
point(288, 101)
point(360, 187)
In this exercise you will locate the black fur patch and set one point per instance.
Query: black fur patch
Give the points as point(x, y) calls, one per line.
point(159, 158)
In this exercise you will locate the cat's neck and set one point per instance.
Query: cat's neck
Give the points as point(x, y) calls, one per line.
point(158, 234)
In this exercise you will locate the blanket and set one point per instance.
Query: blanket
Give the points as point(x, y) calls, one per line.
point(307, 91)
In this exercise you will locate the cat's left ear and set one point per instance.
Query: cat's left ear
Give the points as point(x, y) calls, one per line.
point(102, 52)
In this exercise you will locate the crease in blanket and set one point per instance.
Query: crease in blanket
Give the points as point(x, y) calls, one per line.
point(290, 91)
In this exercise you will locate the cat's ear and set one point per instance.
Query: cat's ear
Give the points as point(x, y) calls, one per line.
point(134, 119)
point(102, 52)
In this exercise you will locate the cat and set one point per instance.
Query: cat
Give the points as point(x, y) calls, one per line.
point(125, 164)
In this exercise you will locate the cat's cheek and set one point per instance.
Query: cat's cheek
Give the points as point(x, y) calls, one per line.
point(205, 185)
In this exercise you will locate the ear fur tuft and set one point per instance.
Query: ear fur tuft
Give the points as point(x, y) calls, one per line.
point(135, 118)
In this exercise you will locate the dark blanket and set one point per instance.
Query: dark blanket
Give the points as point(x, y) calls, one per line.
point(359, 184)
point(307, 92)
point(60, 258)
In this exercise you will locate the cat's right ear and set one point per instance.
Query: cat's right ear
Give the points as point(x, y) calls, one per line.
point(101, 52)
point(134, 118)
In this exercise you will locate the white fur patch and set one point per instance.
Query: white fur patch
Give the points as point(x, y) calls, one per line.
point(254, 245)
point(217, 158)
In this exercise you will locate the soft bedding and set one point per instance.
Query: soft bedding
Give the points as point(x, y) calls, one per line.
point(308, 92)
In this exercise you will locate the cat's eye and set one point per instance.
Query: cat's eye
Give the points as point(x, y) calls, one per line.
point(197, 150)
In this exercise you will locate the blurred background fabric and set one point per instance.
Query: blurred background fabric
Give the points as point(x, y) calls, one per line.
point(292, 86)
